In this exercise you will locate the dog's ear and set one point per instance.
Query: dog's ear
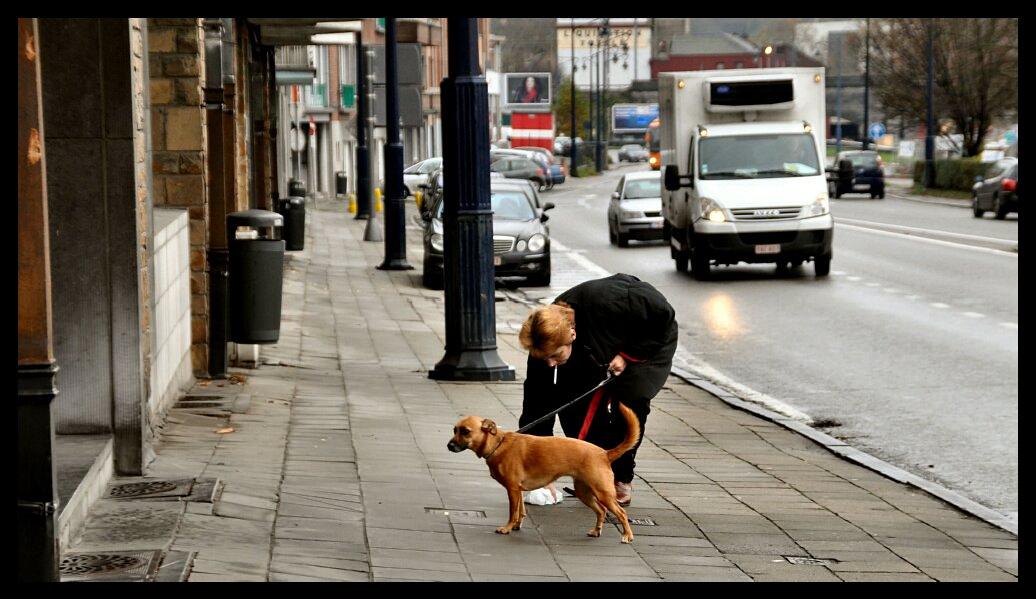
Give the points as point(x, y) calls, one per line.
point(488, 426)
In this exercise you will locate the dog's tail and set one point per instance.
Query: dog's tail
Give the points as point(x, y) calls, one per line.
point(632, 433)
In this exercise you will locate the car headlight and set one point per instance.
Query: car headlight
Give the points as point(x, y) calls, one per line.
point(712, 211)
point(437, 242)
point(536, 242)
point(819, 207)
point(521, 245)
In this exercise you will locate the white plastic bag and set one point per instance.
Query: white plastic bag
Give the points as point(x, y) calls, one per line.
point(542, 497)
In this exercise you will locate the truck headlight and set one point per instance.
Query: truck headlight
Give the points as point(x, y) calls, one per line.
point(437, 242)
point(712, 211)
point(536, 242)
point(819, 207)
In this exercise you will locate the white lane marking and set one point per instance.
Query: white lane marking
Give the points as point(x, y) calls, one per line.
point(930, 231)
point(973, 315)
point(687, 361)
point(890, 290)
point(873, 284)
point(939, 305)
point(838, 273)
point(932, 241)
point(853, 278)
point(588, 265)
point(1010, 325)
point(557, 244)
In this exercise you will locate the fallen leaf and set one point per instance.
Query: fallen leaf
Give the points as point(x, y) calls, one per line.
point(225, 430)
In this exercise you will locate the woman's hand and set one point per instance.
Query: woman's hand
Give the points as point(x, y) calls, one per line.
point(617, 365)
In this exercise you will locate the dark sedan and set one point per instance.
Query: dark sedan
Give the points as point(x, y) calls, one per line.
point(997, 191)
point(866, 175)
point(633, 153)
point(521, 240)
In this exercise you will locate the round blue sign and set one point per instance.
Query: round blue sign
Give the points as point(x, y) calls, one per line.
point(1011, 137)
point(876, 130)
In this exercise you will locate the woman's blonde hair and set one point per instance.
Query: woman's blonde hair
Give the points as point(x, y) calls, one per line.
point(546, 329)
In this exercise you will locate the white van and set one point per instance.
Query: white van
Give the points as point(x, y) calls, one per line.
point(743, 168)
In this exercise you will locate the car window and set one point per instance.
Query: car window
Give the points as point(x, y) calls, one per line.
point(511, 205)
point(643, 188)
point(863, 160)
point(413, 168)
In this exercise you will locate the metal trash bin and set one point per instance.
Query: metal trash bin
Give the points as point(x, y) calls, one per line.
point(294, 232)
point(296, 188)
point(340, 184)
point(256, 276)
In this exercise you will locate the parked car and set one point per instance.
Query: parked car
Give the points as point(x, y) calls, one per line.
point(518, 167)
point(563, 145)
point(527, 187)
point(557, 174)
point(633, 153)
point(417, 174)
point(997, 191)
point(521, 239)
point(635, 209)
point(867, 174)
point(433, 189)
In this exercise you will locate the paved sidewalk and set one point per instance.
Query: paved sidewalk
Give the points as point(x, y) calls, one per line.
point(336, 467)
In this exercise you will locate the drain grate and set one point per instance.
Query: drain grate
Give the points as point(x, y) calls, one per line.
point(152, 488)
point(477, 514)
point(123, 565)
point(809, 561)
point(634, 521)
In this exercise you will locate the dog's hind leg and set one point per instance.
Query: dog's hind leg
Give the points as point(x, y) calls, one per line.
point(587, 497)
point(514, 498)
point(616, 509)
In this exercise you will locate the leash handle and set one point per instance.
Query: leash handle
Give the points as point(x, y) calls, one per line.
point(606, 380)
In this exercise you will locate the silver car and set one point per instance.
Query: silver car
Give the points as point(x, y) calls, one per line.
point(415, 177)
point(635, 210)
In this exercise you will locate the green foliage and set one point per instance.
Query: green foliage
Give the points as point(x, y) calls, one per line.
point(952, 174)
point(562, 108)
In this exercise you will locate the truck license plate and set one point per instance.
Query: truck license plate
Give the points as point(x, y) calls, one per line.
point(497, 260)
point(772, 248)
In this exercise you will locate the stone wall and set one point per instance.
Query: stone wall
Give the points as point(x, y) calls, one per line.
point(176, 53)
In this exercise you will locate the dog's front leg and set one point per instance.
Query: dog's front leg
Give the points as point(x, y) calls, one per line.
point(514, 498)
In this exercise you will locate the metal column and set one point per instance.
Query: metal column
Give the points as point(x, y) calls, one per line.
point(395, 209)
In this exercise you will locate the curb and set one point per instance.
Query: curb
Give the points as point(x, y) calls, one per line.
point(940, 201)
point(850, 453)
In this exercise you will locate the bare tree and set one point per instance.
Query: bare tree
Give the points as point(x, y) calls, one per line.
point(976, 71)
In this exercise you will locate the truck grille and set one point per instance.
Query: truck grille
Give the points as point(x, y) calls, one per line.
point(502, 244)
point(765, 213)
point(655, 213)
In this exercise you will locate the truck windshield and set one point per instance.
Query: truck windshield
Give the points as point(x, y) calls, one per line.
point(758, 156)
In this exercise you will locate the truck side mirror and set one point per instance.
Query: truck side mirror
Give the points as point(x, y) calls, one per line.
point(672, 177)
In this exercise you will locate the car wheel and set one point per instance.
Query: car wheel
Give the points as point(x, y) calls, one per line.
point(430, 277)
point(542, 279)
point(611, 234)
point(978, 212)
point(622, 239)
point(681, 262)
point(822, 265)
point(783, 268)
point(999, 208)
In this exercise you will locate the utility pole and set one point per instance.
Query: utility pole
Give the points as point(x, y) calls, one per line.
point(363, 169)
point(604, 96)
point(929, 139)
point(593, 101)
point(597, 115)
point(469, 277)
point(573, 169)
point(395, 210)
point(866, 85)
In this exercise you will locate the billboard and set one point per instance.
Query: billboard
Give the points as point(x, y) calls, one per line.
point(633, 118)
point(527, 92)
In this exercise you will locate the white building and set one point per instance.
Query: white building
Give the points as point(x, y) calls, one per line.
point(629, 50)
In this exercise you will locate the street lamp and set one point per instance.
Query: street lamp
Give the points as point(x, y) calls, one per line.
point(768, 50)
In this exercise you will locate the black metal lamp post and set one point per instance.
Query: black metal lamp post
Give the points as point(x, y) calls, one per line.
point(866, 85)
point(395, 210)
point(574, 162)
point(363, 169)
point(929, 138)
point(467, 217)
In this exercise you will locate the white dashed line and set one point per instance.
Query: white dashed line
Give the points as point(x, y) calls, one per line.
point(1010, 325)
point(939, 305)
point(973, 315)
point(890, 290)
point(913, 297)
point(838, 273)
point(853, 278)
point(873, 284)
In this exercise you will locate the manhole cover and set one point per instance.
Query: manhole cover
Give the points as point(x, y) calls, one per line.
point(152, 488)
point(809, 561)
point(127, 564)
point(479, 514)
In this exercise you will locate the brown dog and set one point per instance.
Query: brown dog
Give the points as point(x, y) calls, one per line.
point(525, 462)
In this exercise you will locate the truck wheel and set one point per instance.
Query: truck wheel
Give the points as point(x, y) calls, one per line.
point(822, 265)
point(681, 262)
point(700, 266)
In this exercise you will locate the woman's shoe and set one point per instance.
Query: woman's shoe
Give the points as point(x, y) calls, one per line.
point(623, 493)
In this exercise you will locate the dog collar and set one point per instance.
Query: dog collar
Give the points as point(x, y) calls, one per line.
point(501, 442)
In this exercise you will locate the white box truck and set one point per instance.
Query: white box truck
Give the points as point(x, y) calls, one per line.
point(743, 168)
